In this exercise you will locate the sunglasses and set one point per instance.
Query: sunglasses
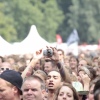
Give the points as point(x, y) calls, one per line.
point(4, 69)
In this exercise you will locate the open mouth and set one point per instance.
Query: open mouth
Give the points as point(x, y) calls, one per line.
point(51, 85)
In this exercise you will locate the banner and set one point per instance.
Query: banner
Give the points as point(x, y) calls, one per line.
point(58, 38)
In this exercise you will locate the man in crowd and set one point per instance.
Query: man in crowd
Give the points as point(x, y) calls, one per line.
point(49, 65)
point(33, 88)
point(61, 55)
point(5, 66)
point(10, 85)
point(54, 81)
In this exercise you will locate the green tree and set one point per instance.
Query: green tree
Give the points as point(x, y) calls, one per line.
point(7, 30)
point(52, 17)
point(45, 14)
point(64, 28)
point(84, 16)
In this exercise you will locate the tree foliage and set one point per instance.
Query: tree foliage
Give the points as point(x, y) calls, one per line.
point(50, 17)
point(45, 14)
point(7, 29)
point(84, 16)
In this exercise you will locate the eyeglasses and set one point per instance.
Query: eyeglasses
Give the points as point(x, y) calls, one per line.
point(4, 69)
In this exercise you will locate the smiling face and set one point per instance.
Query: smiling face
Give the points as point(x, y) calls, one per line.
point(65, 93)
point(73, 63)
point(53, 80)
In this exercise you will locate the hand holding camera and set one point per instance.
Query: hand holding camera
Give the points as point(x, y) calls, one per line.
point(51, 53)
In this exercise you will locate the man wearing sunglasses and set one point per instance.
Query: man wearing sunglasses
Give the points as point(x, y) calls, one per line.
point(5, 66)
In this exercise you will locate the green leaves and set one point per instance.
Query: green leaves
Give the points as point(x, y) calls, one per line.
point(84, 15)
point(45, 14)
point(50, 17)
point(6, 26)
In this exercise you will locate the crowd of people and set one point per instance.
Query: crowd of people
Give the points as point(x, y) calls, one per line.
point(53, 75)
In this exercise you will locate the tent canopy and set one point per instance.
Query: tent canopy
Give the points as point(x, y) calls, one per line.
point(5, 47)
point(31, 43)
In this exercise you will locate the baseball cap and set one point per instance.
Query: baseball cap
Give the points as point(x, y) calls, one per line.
point(12, 77)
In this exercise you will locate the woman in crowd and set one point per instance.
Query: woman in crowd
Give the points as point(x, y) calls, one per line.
point(86, 75)
point(73, 62)
point(66, 92)
point(96, 90)
point(91, 88)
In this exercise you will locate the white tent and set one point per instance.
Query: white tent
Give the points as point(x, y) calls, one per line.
point(5, 47)
point(31, 43)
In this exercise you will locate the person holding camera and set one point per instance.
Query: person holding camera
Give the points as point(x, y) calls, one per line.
point(57, 75)
point(50, 54)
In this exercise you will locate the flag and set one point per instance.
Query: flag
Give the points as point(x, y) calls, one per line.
point(58, 38)
point(99, 43)
point(72, 42)
point(73, 37)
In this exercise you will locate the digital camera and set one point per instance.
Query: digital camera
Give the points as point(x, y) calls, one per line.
point(48, 52)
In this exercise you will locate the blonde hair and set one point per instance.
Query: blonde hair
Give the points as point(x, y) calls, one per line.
point(41, 74)
point(9, 84)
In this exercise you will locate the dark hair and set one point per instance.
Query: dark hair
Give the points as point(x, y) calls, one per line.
point(97, 86)
point(96, 90)
point(92, 72)
point(53, 63)
point(74, 57)
point(61, 51)
point(57, 72)
point(96, 94)
point(94, 81)
point(75, 95)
